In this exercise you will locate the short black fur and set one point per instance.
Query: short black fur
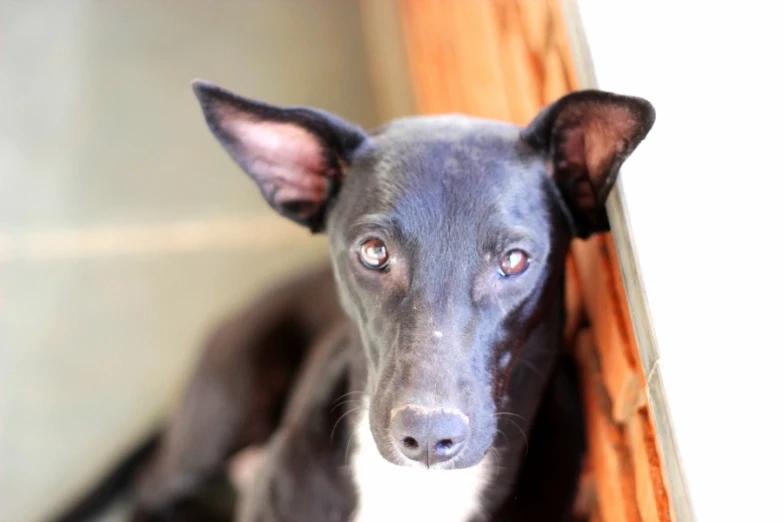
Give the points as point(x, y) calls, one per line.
point(439, 335)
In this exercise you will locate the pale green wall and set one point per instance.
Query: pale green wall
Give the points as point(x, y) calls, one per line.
point(100, 137)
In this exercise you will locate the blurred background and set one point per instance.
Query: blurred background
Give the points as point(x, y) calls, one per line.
point(126, 232)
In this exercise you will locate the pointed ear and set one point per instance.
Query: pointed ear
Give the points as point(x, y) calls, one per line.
point(297, 156)
point(587, 135)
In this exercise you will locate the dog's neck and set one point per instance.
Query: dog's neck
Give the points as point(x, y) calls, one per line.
point(386, 491)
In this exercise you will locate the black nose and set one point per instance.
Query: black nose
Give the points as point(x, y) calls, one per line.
point(429, 436)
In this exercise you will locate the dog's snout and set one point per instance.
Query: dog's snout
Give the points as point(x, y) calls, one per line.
point(429, 436)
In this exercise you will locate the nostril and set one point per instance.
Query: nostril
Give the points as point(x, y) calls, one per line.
point(410, 443)
point(444, 445)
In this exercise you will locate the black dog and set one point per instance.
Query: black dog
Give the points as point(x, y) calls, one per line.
point(448, 238)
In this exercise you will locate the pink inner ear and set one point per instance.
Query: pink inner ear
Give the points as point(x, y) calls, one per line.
point(286, 160)
point(575, 152)
point(601, 134)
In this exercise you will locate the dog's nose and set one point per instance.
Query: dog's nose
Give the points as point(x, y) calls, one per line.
point(429, 436)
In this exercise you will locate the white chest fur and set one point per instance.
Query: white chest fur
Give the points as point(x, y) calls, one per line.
point(387, 492)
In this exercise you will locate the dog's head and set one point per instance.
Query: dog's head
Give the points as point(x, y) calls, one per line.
point(446, 234)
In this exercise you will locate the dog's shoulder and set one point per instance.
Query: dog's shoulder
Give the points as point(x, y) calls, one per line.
point(304, 474)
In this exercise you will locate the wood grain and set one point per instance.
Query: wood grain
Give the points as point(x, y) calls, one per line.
point(607, 444)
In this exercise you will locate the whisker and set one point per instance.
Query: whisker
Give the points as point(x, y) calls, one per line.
point(529, 365)
point(343, 403)
point(331, 437)
point(349, 393)
point(509, 414)
point(498, 430)
point(344, 395)
point(356, 429)
point(496, 454)
point(521, 431)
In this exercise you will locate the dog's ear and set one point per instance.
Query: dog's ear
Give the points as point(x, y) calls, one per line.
point(298, 156)
point(586, 136)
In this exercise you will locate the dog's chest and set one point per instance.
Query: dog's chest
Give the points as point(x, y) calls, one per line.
point(386, 492)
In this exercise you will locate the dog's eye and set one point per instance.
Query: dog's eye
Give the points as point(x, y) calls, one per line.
point(373, 254)
point(513, 262)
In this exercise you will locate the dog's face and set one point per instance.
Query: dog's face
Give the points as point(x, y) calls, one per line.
point(447, 234)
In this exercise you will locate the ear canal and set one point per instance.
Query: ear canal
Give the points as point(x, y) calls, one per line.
point(297, 156)
point(587, 135)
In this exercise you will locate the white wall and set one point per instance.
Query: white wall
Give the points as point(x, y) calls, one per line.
point(703, 195)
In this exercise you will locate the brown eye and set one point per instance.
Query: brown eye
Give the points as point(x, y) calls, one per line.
point(513, 262)
point(373, 254)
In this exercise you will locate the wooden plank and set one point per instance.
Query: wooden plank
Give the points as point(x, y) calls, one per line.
point(476, 51)
point(607, 445)
point(555, 80)
point(620, 376)
point(426, 39)
point(632, 349)
point(536, 21)
point(651, 495)
point(586, 501)
point(561, 42)
point(521, 71)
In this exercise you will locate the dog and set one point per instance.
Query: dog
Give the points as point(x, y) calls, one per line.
point(421, 375)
